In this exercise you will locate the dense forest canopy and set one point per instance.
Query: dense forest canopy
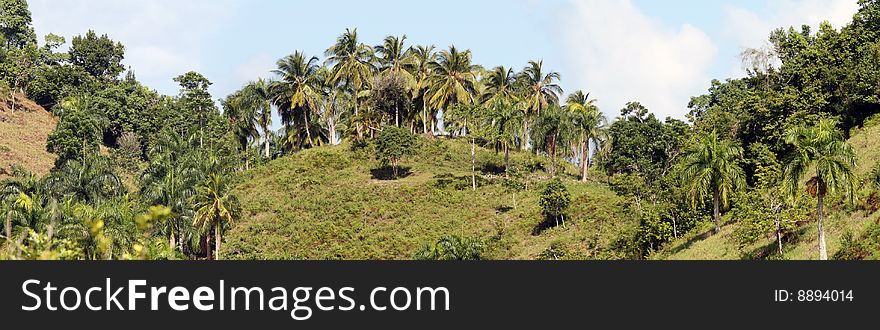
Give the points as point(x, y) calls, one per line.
point(145, 175)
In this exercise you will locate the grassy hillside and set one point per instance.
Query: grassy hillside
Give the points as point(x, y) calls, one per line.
point(700, 244)
point(333, 203)
point(23, 137)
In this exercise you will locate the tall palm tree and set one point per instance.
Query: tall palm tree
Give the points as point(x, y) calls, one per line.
point(554, 130)
point(590, 127)
point(352, 63)
point(298, 91)
point(241, 119)
point(504, 122)
point(90, 180)
point(711, 167)
point(393, 57)
point(215, 206)
point(539, 88)
point(421, 59)
point(499, 83)
point(258, 96)
point(820, 148)
point(453, 79)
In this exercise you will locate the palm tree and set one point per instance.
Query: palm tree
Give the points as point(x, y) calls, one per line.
point(540, 89)
point(215, 206)
point(258, 96)
point(466, 119)
point(590, 127)
point(711, 166)
point(90, 180)
point(554, 129)
point(504, 122)
point(499, 83)
point(393, 57)
point(453, 79)
point(823, 149)
point(242, 120)
point(297, 93)
point(421, 59)
point(352, 63)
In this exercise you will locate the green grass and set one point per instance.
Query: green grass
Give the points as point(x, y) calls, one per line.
point(325, 203)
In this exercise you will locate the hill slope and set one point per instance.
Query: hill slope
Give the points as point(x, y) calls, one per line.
point(23, 137)
point(701, 245)
point(332, 203)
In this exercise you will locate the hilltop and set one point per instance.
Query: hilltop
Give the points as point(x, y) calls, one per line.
point(335, 203)
point(23, 136)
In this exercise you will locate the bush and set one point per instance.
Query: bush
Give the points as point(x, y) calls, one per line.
point(392, 144)
point(555, 200)
point(451, 248)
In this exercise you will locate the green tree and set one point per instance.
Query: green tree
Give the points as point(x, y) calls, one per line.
point(555, 200)
point(298, 91)
point(823, 149)
point(196, 99)
point(540, 89)
point(711, 167)
point(242, 119)
point(589, 126)
point(15, 24)
point(468, 120)
point(504, 123)
point(453, 80)
point(554, 131)
point(451, 248)
point(421, 59)
point(352, 63)
point(392, 144)
point(215, 207)
point(258, 98)
point(99, 56)
point(78, 133)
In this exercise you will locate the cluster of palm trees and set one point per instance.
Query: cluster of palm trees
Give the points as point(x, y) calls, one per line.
point(358, 89)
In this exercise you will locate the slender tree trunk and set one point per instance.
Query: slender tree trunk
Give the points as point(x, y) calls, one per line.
point(266, 138)
point(424, 114)
point(585, 148)
point(823, 254)
point(360, 133)
point(778, 235)
point(674, 227)
point(208, 249)
point(397, 115)
point(218, 238)
point(473, 163)
point(308, 132)
point(12, 98)
point(506, 159)
point(716, 213)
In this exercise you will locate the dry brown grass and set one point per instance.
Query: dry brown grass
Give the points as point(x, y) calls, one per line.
point(23, 137)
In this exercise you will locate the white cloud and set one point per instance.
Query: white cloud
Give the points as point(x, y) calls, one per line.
point(256, 67)
point(163, 38)
point(749, 29)
point(619, 55)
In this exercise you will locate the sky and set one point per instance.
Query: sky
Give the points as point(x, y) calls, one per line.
point(659, 53)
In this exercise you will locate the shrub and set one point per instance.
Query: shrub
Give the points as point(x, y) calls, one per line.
point(392, 144)
point(451, 248)
point(555, 200)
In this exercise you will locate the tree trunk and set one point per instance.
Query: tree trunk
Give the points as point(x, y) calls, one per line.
point(563, 220)
point(397, 115)
point(823, 254)
point(778, 235)
point(424, 114)
point(12, 98)
point(360, 134)
point(506, 159)
point(716, 213)
point(394, 168)
point(674, 228)
point(266, 138)
point(218, 239)
point(473, 163)
point(208, 245)
point(308, 132)
point(585, 148)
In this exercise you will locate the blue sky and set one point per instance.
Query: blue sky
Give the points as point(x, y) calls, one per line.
point(657, 52)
